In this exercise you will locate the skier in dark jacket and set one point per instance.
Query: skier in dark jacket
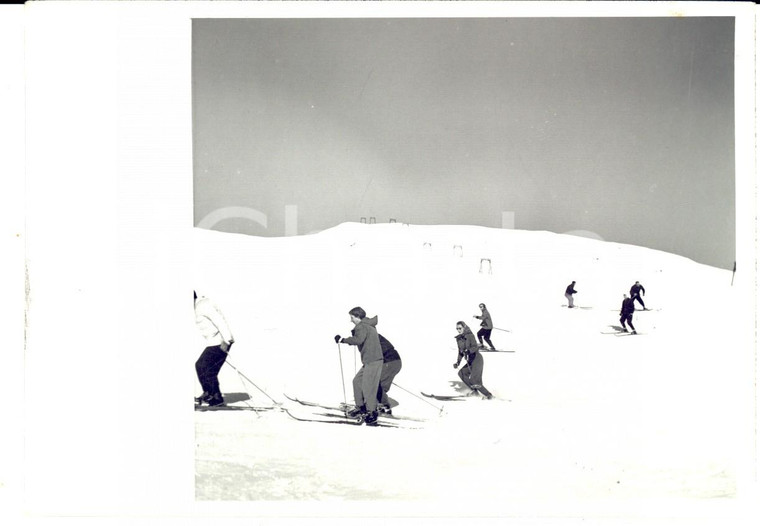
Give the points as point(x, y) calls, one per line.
point(626, 313)
point(367, 379)
point(391, 367)
point(486, 326)
point(636, 292)
point(569, 291)
point(472, 373)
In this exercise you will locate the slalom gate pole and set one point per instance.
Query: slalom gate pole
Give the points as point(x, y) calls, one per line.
point(252, 383)
point(440, 409)
point(342, 379)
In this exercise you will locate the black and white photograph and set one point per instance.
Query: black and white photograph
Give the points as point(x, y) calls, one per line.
point(449, 260)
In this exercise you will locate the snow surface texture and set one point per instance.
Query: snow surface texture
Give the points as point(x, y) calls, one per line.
point(577, 414)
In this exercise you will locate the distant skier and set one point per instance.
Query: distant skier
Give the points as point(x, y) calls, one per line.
point(472, 373)
point(626, 313)
point(391, 367)
point(214, 328)
point(486, 326)
point(367, 380)
point(569, 291)
point(636, 292)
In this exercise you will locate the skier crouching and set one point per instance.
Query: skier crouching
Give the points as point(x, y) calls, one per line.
point(367, 379)
point(472, 373)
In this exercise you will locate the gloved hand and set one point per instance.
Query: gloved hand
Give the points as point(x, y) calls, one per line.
point(337, 338)
point(456, 365)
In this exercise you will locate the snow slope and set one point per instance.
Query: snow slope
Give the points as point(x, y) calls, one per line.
point(580, 416)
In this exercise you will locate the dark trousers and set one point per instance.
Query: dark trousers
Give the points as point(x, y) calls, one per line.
point(638, 297)
point(472, 375)
point(627, 318)
point(485, 334)
point(208, 366)
point(390, 370)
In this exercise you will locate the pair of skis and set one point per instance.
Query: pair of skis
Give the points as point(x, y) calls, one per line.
point(458, 398)
point(446, 398)
point(622, 333)
point(335, 418)
point(330, 414)
point(225, 407)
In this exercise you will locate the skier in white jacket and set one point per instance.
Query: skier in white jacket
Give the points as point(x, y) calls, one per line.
point(214, 329)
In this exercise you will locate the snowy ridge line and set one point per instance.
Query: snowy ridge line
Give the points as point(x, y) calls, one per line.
point(343, 410)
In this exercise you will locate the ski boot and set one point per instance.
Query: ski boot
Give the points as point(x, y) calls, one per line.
point(384, 409)
point(215, 400)
point(370, 419)
point(199, 400)
point(357, 412)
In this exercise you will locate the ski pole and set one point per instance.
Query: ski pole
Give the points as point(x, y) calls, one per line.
point(440, 409)
point(342, 379)
point(253, 384)
point(242, 382)
point(498, 329)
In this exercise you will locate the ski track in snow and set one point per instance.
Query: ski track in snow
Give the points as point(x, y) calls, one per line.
point(582, 415)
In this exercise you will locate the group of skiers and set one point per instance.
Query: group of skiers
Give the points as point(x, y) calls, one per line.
point(626, 309)
point(381, 362)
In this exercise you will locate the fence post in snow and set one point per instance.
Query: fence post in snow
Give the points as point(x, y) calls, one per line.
point(485, 263)
point(458, 250)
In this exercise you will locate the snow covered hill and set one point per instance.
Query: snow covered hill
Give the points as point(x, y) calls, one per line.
point(581, 413)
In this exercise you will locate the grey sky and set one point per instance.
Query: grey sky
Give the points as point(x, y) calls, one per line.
point(620, 126)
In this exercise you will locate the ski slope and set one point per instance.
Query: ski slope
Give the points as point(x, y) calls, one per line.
point(579, 415)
